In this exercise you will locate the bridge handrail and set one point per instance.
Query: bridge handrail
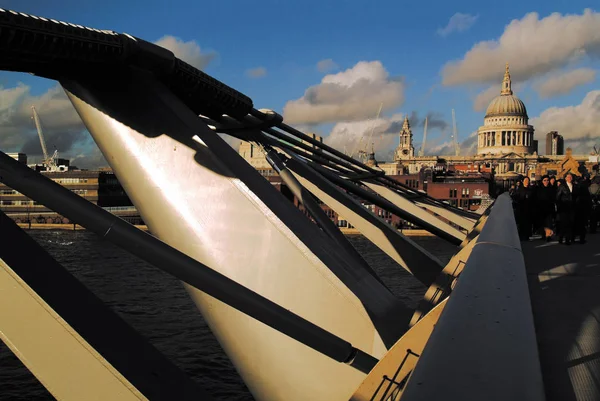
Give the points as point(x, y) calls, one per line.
point(119, 208)
point(484, 345)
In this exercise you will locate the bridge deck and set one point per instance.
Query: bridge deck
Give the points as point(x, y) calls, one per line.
point(565, 294)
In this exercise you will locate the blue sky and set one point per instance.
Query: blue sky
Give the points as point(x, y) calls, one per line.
point(288, 38)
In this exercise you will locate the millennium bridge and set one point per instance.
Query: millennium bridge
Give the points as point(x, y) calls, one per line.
point(296, 308)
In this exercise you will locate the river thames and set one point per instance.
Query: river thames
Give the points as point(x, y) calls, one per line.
point(156, 305)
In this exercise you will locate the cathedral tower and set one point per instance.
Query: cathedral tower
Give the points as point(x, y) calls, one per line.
point(405, 149)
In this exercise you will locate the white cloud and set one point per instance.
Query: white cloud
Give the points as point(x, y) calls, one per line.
point(347, 135)
point(467, 147)
point(326, 65)
point(559, 84)
point(61, 125)
point(577, 124)
point(187, 51)
point(258, 72)
point(458, 23)
point(483, 98)
point(89, 159)
point(353, 136)
point(532, 46)
point(351, 95)
point(8, 98)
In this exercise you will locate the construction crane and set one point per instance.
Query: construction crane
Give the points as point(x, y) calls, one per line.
point(422, 150)
point(455, 135)
point(364, 151)
point(50, 162)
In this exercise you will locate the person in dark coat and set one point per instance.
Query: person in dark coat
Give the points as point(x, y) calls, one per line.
point(595, 193)
point(524, 199)
point(554, 185)
point(544, 201)
point(565, 204)
point(583, 209)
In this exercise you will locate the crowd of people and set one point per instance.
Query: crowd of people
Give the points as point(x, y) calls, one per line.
point(564, 208)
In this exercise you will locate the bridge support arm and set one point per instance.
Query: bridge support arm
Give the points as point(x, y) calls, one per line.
point(76, 346)
point(461, 221)
point(415, 210)
point(416, 260)
point(170, 260)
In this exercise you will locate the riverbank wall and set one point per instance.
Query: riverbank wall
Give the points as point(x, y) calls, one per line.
point(77, 227)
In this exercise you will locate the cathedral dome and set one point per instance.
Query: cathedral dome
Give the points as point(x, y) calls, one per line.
point(506, 105)
point(506, 126)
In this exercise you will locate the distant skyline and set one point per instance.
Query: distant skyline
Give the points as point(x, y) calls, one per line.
point(328, 66)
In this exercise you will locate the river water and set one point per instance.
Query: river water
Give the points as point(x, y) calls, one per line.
point(157, 306)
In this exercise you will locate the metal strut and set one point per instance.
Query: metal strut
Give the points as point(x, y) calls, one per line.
point(311, 205)
point(54, 196)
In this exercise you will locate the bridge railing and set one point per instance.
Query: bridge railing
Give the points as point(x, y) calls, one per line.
point(484, 344)
point(120, 208)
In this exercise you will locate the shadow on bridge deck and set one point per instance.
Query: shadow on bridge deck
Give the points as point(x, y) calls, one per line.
point(564, 282)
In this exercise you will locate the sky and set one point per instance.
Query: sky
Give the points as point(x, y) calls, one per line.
point(328, 67)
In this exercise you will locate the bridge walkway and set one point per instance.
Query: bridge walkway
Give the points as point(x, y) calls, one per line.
point(564, 284)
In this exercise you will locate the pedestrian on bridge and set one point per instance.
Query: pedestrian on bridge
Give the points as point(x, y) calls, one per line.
point(595, 193)
point(525, 203)
point(565, 203)
point(583, 209)
point(545, 204)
